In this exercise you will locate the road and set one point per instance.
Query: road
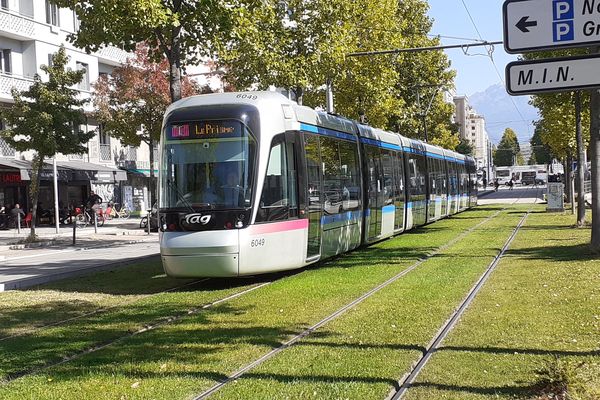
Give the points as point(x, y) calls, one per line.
point(519, 195)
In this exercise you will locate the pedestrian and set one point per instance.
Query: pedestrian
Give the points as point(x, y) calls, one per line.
point(484, 183)
point(496, 185)
point(93, 202)
point(16, 213)
point(511, 183)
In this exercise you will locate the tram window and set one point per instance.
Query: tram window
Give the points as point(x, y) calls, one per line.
point(279, 196)
point(387, 164)
point(350, 176)
point(332, 176)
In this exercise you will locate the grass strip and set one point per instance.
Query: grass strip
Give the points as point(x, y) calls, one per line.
point(541, 304)
point(361, 354)
point(24, 310)
point(180, 359)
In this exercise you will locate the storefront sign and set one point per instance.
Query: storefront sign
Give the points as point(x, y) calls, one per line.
point(10, 178)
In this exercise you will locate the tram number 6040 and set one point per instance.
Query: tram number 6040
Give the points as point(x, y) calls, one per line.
point(257, 242)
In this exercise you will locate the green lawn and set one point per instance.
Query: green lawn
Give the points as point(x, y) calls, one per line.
point(185, 357)
point(513, 326)
point(542, 302)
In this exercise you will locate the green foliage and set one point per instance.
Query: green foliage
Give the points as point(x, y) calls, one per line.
point(557, 113)
point(181, 31)
point(46, 118)
point(508, 149)
point(568, 379)
point(540, 152)
point(131, 102)
point(464, 147)
point(300, 45)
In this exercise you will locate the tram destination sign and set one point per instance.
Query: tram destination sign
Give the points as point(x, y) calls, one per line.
point(553, 75)
point(531, 25)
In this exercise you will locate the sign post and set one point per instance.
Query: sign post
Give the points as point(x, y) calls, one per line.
point(532, 25)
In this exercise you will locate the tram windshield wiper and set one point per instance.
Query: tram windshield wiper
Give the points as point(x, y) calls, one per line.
point(180, 196)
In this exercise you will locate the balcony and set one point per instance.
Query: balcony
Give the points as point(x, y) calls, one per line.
point(7, 82)
point(5, 149)
point(105, 153)
point(17, 26)
point(112, 55)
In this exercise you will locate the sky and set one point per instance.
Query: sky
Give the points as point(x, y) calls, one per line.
point(475, 73)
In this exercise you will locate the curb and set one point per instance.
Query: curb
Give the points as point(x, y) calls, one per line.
point(39, 280)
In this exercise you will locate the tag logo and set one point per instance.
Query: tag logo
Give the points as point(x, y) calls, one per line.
point(197, 219)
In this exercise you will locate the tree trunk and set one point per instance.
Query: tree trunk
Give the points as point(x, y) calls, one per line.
point(567, 165)
point(152, 176)
point(299, 92)
point(595, 154)
point(175, 70)
point(37, 167)
point(580, 162)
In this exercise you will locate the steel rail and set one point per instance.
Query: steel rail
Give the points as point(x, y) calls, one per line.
point(240, 372)
point(168, 320)
point(409, 378)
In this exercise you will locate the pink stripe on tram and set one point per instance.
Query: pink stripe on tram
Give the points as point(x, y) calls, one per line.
point(279, 227)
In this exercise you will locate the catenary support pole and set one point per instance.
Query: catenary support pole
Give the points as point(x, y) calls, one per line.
point(581, 162)
point(330, 106)
point(55, 181)
point(595, 155)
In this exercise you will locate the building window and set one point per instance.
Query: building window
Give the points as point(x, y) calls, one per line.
point(52, 14)
point(4, 4)
point(104, 139)
point(5, 61)
point(85, 82)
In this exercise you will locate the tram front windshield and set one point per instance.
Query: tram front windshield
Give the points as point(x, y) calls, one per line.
point(207, 165)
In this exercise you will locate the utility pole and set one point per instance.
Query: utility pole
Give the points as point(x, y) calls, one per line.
point(580, 162)
point(424, 111)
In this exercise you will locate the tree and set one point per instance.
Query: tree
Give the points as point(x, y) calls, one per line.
point(299, 45)
point(464, 147)
point(295, 44)
point(181, 31)
point(540, 153)
point(45, 119)
point(132, 100)
point(507, 150)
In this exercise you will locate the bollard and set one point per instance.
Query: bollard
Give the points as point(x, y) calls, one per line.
point(19, 223)
point(148, 224)
point(74, 221)
point(95, 220)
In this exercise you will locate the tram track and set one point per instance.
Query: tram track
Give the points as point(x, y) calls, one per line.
point(409, 378)
point(146, 328)
point(305, 333)
point(157, 323)
point(99, 311)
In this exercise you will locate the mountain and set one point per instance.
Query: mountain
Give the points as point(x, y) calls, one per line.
point(495, 105)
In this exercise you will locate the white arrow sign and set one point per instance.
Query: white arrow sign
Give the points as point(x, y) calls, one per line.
point(558, 74)
point(531, 25)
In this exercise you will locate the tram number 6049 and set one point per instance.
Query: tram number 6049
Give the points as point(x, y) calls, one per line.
point(257, 242)
point(247, 96)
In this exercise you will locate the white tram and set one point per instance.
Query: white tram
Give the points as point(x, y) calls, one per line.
point(252, 183)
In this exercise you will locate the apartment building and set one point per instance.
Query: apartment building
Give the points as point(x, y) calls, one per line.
point(471, 127)
point(31, 31)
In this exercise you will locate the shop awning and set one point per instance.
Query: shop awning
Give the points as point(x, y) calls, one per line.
point(137, 168)
point(24, 168)
point(84, 171)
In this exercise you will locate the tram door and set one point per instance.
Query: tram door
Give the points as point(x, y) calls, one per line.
point(374, 186)
point(315, 195)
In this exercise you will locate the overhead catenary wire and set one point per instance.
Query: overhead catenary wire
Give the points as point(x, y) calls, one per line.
point(494, 64)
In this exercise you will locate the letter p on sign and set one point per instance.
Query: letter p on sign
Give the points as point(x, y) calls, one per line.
point(563, 25)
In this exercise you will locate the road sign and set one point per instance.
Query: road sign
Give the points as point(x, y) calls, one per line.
point(531, 25)
point(554, 75)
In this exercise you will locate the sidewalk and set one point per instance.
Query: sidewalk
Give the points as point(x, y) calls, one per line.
point(117, 243)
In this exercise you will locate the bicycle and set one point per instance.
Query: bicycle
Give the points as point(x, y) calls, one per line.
point(85, 218)
point(112, 212)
